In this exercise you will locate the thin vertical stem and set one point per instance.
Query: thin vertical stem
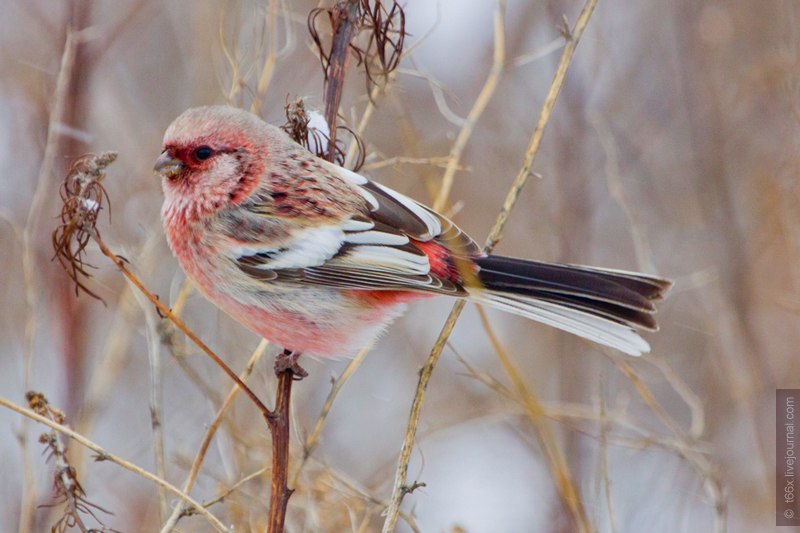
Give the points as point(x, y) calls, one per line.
point(279, 427)
point(400, 487)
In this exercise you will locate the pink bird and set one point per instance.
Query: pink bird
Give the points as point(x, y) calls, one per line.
point(319, 259)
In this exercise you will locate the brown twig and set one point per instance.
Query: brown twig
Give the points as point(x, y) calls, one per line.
point(344, 19)
point(380, 55)
point(279, 427)
point(495, 235)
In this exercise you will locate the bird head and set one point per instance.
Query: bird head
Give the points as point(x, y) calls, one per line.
point(212, 154)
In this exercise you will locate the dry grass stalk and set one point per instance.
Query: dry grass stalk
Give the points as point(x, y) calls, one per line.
point(66, 486)
point(557, 463)
point(399, 488)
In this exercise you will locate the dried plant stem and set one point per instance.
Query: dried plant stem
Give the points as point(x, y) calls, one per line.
point(399, 488)
point(279, 427)
point(233, 488)
point(559, 468)
point(644, 254)
point(571, 413)
point(478, 107)
point(344, 19)
point(179, 509)
point(104, 455)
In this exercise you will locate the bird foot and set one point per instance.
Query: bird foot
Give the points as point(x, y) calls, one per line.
point(286, 361)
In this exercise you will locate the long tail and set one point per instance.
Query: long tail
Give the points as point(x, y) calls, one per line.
point(601, 305)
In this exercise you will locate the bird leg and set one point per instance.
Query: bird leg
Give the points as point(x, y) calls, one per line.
point(286, 361)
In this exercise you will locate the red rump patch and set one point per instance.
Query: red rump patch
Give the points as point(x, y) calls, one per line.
point(388, 298)
point(439, 258)
point(441, 266)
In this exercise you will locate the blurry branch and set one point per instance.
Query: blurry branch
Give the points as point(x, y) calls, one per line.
point(356, 148)
point(400, 484)
point(65, 483)
point(180, 509)
point(603, 461)
point(336, 387)
point(237, 80)
point(644, 255)
point(492, 80)
point(233, 488)
point(688, 447)
point(559, 468)
point(179, 350)
point(572, 39)
point(30, 269)
point(269, 62)
point(262, 65)
point(438, 92)
point(111, 34)
point(539, 53)
point(572, 414)
point(400, 160)
point(156, 397)
point(103, 455)
point(342, 483)
point(695, 404)
point(115, 351)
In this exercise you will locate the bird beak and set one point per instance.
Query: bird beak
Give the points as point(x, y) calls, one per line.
point(167, 166)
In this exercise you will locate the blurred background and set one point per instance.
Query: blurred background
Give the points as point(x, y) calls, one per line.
point(673, 149)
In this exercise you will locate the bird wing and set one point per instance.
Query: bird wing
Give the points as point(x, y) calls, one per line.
point(374, 249)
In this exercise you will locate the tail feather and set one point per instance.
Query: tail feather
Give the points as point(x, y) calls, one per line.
point(601, 305)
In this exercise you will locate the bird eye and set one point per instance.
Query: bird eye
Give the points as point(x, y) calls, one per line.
point(203, 152)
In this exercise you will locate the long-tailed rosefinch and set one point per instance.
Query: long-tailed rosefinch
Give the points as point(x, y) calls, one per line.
point(319, 259)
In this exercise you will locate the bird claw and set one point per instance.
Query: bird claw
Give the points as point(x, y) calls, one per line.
point(286, 361)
